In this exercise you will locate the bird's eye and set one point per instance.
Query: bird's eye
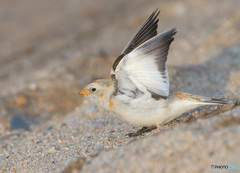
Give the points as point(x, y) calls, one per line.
point(93, 89)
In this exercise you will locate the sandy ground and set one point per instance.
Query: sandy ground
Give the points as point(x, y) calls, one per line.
point(50, 49)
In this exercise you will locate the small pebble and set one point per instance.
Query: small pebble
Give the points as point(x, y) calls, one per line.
point(69, 160)
point(21, 101)
point(51, 151)
point(111, 138)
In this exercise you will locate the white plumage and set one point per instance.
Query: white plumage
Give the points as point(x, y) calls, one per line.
point(139, 86)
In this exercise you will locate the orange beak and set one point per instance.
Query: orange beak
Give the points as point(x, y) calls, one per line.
point(84, 92)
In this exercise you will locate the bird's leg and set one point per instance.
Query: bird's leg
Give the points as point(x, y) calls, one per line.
point(141, 131)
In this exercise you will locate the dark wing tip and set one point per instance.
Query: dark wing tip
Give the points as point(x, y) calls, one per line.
point(171, 32)
point(117, 62)
point(146, 32)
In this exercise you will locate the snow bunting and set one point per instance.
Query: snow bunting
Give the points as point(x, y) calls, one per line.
point(138, 89)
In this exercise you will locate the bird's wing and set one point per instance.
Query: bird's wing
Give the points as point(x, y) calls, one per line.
point(146, 31)
point(144, 69)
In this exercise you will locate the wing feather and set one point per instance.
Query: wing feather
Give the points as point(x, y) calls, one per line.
point(146, 32)
point(145, 67)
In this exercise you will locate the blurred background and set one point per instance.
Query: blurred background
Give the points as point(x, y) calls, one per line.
point(50, 49)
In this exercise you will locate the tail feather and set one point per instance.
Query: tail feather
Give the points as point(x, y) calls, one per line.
point(215, 101)
point(199, 100)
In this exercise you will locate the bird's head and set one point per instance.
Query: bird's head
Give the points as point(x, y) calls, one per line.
point(98, 90)
point(93, 88)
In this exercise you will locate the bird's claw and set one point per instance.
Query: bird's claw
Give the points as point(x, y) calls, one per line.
point(141, 131)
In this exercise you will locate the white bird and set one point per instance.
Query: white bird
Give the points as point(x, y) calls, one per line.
point(138, 89)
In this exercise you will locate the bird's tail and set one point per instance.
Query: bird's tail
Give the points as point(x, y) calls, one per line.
point(199, 100)
point(213, 101)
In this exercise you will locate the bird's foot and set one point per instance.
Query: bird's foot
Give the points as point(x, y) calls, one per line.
point(141, 131)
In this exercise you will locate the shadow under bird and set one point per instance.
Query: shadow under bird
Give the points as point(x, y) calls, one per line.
point(138, 89)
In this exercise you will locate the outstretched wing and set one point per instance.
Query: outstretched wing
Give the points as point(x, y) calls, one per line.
point(147, 31)
point(144, 68)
